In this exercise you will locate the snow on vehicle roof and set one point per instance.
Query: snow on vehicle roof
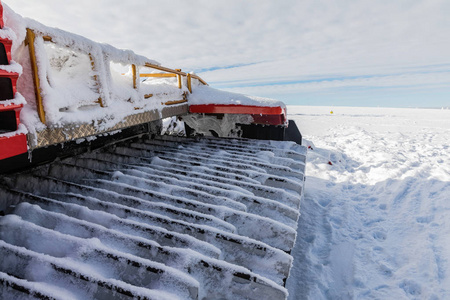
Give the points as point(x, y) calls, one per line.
point(209, 95)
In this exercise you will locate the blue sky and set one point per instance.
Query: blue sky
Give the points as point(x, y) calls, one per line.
point(312, 52)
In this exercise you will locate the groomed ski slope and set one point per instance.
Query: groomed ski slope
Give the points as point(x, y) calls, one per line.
point(376, 223)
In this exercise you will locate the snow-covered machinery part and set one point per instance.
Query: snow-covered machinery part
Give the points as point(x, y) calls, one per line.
point(69, 91)
point(242, 120)
point(95, 203)
point(61, 91)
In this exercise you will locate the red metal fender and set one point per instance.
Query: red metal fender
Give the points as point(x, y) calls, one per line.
point(1, 15)
point(261, 114)
point(12, 146)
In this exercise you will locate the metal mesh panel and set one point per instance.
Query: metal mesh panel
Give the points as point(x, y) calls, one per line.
point(71, 132)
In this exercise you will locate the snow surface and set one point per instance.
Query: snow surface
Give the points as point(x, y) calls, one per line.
point(375, 223)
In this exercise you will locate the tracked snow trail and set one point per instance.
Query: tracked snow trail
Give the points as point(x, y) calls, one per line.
point(375, 223)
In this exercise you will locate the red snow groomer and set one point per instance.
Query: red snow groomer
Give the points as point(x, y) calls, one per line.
point(96, 202)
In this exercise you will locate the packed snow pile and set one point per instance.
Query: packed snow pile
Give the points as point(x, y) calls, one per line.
point(163, 218)
point(375, 218)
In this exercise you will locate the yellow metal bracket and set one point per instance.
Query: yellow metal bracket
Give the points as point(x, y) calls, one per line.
point(133, 69)
point(31, 36)
point(189, 83)
point(158, 75)
point(30, 42)
point(173, 102)
point(95, 77)
point(179, 78)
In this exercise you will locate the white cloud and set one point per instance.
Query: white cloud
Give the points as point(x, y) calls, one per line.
point(422, 80)
point(350, 44)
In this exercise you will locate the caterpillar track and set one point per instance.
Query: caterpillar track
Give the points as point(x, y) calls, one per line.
point(161, 218)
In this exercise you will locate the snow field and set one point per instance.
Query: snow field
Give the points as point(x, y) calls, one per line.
point(374, 224)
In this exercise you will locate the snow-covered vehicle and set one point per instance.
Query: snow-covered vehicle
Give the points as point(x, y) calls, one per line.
point(98, 204)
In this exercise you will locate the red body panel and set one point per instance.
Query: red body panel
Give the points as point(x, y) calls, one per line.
point(12, 146)
point(1, 15)
point(261, 114)
point(10, 107)
point(235, 109)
